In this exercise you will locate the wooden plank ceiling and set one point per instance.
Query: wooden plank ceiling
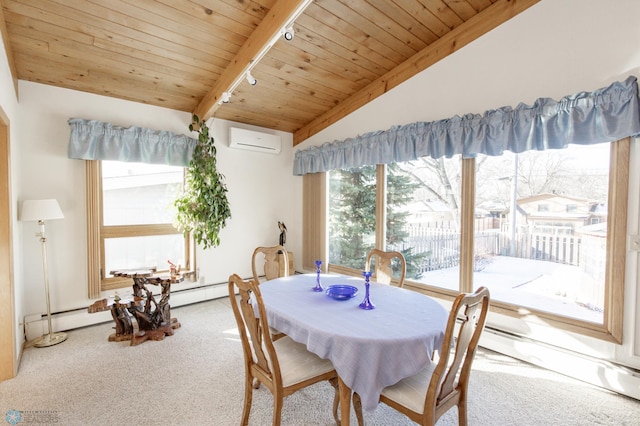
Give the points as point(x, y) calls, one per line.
point(183, 54)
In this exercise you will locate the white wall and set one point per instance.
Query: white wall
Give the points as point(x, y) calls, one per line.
point(553, 49)
point(261, 188)
point(262, 191)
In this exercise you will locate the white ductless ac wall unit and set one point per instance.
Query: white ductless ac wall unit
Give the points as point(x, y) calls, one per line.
point(254, 141)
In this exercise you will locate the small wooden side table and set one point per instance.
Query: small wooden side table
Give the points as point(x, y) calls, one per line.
point(153, 318)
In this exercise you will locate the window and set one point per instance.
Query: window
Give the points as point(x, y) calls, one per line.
point(555, 261)
point(426, 225)
point(352, 216)
point(548, 229)
point(130, 211)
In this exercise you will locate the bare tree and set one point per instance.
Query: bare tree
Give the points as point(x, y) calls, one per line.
point(562, 172)
point(440, 179)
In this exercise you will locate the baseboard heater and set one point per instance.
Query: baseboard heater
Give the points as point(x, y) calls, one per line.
point(602, 373)
point(35, 325)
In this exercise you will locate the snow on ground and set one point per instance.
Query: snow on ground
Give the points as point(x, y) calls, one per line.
point(547, 286)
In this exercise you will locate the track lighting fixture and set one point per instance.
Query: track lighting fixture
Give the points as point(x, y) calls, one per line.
point(252, 81)
point(225, 98)
point(288, 33)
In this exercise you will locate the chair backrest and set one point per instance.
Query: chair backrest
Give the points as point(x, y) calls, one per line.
point(260, 356)
point(384, 268)
point(269, 258)
point(450, 378)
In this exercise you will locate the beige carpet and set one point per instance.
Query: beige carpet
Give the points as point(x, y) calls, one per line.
point(195, 377)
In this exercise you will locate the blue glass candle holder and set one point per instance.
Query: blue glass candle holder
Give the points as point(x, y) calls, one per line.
point(366, 303)
point(318, 286)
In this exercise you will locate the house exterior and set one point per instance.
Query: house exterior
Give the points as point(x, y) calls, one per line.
point(429, 213)
point(558, 214)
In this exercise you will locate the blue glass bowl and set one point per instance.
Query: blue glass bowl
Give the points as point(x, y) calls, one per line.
point(341, 292)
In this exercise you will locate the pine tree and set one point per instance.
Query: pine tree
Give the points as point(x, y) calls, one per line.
point(352, 216)
point(400, 189)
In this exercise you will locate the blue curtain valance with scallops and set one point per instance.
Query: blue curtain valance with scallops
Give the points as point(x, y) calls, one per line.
point(96, 140)
point(585, 118)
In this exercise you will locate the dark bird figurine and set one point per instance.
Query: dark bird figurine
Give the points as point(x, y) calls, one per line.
point(283, 233)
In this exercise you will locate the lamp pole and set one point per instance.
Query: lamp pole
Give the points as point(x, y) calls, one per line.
point(41, 210)
point(51, 338)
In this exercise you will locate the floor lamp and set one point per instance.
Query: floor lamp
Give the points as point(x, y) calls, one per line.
point(42, 210)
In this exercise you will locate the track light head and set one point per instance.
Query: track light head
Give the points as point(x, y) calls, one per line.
point(288, 33)
point(224, 99)
point(252, 81)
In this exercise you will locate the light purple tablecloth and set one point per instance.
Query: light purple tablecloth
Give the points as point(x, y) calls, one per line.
point(370, 350)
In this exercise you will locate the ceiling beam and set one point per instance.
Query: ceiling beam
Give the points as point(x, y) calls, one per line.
point(258, 43)
point(8, 51)
point(496, 14)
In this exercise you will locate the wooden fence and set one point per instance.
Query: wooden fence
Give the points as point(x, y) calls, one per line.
point(443, 246)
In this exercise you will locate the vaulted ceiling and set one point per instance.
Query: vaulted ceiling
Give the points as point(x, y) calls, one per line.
point(185, 54)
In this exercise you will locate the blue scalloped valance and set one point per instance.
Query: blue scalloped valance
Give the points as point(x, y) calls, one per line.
point(585, 118)
point(96, 140)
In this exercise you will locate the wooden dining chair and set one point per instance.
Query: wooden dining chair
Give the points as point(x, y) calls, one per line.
point(283, 366)
point(384, 268)
point(433, 391)
point(266, 262)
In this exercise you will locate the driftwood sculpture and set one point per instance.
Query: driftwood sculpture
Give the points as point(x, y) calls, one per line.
point(153, 318)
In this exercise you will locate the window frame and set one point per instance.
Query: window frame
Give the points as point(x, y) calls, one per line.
point(97, 234)
point(611, 327)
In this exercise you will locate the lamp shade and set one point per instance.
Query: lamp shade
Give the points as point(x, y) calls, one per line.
point(40, 210)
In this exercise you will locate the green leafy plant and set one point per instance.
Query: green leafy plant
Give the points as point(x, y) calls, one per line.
point(203, 208)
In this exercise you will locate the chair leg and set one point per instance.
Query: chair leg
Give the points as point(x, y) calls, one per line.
point(462, 412)
point(277, 409)
point(336, 399)
point(248, 399)
point(357, 406)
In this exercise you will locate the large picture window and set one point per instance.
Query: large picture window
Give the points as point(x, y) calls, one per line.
point(544, 230)
point(431, 219)
point(544, 245)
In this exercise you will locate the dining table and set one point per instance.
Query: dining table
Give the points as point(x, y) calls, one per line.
point(369, 348)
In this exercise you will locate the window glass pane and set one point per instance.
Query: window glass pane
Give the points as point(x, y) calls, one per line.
point(352, 219)
point(136, 193)
point(541, 229)
point(142, 252)
point(423, 218)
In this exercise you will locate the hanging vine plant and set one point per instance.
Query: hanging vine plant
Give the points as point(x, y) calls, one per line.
point(203, 208)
